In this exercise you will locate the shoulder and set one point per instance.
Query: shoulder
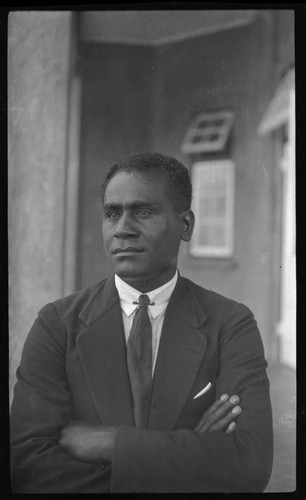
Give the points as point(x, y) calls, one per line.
point(79, 298)
point(71, 305)
point(209, 297)
point(226, 319)
point(214, 303)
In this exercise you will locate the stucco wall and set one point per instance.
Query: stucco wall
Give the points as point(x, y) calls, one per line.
point(38, 71)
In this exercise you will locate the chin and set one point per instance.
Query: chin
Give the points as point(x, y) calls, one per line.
point(130, 273)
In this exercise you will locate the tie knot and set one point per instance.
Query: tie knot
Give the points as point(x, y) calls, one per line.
point(144, 301)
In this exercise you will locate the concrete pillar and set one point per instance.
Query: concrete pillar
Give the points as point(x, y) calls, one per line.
point(38, 77)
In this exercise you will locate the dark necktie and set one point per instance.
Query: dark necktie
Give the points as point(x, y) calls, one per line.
point(139, 360)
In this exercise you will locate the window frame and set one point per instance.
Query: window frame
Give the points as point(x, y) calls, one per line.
point(197, 249)
point(203, 127)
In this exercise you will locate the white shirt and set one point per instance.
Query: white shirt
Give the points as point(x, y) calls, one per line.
point(160, 296)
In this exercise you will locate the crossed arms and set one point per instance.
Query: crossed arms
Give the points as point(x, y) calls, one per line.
point(95, 443)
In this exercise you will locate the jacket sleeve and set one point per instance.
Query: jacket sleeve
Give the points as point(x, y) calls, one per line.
point(185, 461)
point(40, 408)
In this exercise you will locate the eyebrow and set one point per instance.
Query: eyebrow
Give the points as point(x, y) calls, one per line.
point(130, 206)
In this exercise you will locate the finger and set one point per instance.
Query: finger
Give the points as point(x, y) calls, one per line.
point(219, 402)
point(232, 426)
point(211, 409)
point(221, 411)
point(225, 421)
point(217, 410)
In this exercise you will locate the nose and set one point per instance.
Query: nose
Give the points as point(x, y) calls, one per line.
point(125, 227)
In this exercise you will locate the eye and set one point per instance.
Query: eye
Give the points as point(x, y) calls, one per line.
point(111, 215)
point(143, 213)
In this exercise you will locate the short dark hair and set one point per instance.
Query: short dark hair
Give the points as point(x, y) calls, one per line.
point(177, 175)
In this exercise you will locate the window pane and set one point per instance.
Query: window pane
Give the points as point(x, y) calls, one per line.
point(213, 206)
point(208, 132)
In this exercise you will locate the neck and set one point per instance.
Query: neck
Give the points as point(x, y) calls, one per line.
point(149, 284)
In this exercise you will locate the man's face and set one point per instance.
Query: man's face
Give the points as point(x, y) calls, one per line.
point(141, 230)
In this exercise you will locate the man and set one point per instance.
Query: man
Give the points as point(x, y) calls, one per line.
point(87, 417)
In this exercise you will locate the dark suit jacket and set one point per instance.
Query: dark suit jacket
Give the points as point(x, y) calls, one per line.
point(73, 367)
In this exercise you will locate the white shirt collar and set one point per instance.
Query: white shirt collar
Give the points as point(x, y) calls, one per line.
point(160, 296)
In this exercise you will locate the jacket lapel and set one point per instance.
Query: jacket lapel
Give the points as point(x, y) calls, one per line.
point(102, 350)
point(181, 350)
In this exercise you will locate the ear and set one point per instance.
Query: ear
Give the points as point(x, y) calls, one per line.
point(188, 221)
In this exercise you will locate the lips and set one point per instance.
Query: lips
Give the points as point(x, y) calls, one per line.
point(127, 250)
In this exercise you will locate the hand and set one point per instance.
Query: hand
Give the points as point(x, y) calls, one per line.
point(87, 442)
point(220, 416)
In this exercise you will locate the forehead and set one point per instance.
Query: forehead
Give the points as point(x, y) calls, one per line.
point(133, 186)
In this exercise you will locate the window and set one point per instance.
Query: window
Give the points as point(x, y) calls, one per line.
point(208, 132)
point(213, 205)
